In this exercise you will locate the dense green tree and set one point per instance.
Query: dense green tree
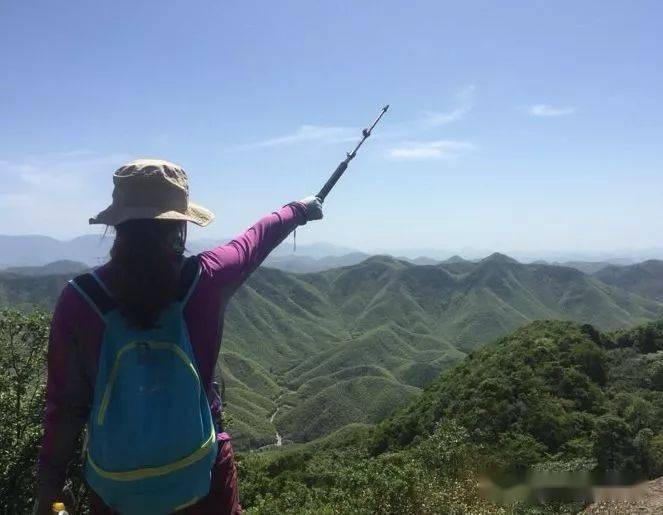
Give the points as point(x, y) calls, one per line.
point(656, 375)
point(552, 395)
point(614, 445)
point(22, 354)
point(654, 453)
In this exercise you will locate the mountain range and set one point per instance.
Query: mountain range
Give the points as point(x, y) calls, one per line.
point(28, 255)
point(645, 278)
point(354, 343)
point(63, 267)
point(91, 249)
point(21, 251)
point(308, 353)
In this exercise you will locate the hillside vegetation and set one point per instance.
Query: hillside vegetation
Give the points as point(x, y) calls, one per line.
point(552, 395)
point(645, 279)
point(62, 267)
point(30, 291)
point(399, 324)
point(315, 349)
point(552, 389)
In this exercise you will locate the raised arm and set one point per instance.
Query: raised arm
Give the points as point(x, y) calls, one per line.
point(234, 261)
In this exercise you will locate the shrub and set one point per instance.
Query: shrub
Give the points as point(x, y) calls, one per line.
point(23, 342)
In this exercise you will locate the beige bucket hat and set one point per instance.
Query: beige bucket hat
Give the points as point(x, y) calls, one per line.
point(151, 188)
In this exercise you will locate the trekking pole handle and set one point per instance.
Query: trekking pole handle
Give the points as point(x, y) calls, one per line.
point(322, 194)
point(332, 180)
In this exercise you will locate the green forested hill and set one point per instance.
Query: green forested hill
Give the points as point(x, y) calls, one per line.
point(645, 279)
point(62, 267)
point(25, 291)
point(555, 396)
point(319, 336)
point(328, 344)
point(549, 389)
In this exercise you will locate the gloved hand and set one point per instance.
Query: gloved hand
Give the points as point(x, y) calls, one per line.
point(313, 208)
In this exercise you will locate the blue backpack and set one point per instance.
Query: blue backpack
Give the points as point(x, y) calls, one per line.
point(151, 437)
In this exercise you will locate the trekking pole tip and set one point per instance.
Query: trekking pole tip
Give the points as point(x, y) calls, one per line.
point(385, 108)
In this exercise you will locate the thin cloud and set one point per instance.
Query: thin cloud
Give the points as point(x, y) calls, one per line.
point(435, 119)
point(426, 120)
point(307, 133)
point(440, 149)
point(465, 101)
point(548, 110)
point(55, 192)
point(56, 173)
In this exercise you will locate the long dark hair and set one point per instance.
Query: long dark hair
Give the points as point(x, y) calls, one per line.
point(145, 268)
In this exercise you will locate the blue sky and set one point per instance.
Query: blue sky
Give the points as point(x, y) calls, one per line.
point(525, 125)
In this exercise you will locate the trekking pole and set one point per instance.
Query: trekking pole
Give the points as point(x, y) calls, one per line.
point(349, 157)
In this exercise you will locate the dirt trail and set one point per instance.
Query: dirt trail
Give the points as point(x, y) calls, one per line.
point(279, 439)
point(645, 499)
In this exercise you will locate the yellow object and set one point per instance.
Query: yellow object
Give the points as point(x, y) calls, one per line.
point(57, 507)
point(133, 475)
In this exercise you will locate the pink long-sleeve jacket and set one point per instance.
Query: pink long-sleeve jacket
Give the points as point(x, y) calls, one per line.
point(76, 336)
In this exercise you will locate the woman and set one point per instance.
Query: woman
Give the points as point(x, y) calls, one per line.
point(133, 348)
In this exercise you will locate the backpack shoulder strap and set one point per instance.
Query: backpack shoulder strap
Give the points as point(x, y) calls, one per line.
point(90, 287)
point(188, 279)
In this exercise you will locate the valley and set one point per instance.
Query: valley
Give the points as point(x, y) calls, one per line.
point(306, 354)
point(351, 345)
point(401, 375)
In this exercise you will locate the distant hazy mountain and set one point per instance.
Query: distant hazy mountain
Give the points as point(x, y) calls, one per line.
point(27, 251)
point(587, 267)
point(93, 250)
point(422, 260)
point(314, 250)
point(21, 251)
point(645, 279)
point(306, 264)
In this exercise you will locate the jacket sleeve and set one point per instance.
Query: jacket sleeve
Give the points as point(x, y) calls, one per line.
point(68, 402)
point(234, 261)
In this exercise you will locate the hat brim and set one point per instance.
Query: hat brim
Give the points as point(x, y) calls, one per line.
point(114, 215)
